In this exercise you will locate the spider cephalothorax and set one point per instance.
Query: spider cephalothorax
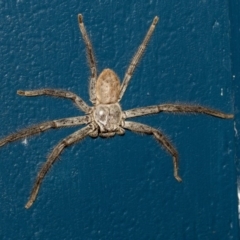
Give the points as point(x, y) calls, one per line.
point(107, 112)
point(105, 118)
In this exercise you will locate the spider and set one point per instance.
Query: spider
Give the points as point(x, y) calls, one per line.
point(105, 118)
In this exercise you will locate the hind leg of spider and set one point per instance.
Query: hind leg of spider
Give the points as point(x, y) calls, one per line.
point(57, 93)
point(65, 122)
point(71, 139)
point(176, 108)
point(142, 128)
point(91, 59)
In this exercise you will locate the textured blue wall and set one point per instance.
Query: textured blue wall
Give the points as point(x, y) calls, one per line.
point(235, 55)
point(123, 187)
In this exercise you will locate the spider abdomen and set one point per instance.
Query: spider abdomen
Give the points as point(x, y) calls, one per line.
point(107, 87)
point(108, 117)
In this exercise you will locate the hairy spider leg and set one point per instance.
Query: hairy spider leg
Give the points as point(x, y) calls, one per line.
point(91, 59)
point(57, 93)
point(137, 57)
point(39, 128)
point(71, 139)
point(142, 128)
point(175, 108)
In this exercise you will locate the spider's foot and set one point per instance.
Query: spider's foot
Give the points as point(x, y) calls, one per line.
point(155, 20)
point(80, 18)
point(179, 179)
point(21, 92)
point(29, 93)
point(29, 204)
point(229, 116)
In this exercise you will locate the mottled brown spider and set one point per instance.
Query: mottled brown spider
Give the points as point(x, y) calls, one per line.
point(105, 118)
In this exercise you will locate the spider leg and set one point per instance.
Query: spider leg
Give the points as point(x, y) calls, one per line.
point(91, 59)
point(142, 128)
point(71, 139)
point(175, 108)
point(137, 57)
point(65, 122)
point(57, 93)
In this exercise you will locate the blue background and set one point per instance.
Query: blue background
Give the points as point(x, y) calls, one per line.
point(123, 187)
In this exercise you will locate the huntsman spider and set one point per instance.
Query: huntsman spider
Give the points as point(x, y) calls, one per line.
point(105, 118)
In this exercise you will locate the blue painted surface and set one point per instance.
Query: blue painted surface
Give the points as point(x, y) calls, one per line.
point(119, 188)
point(235, 55)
